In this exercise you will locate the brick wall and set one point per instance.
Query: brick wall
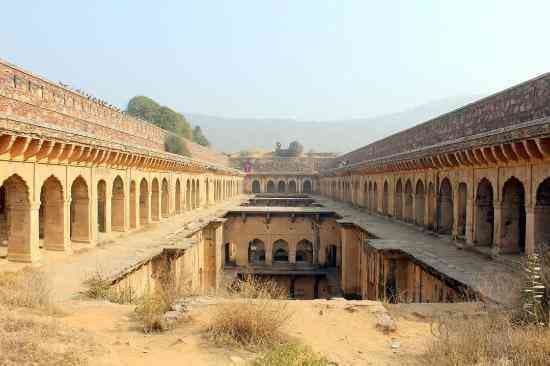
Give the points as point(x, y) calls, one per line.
point(524, 102)
point(27, 96)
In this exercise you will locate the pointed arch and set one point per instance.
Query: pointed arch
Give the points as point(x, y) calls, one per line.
point(118, 205)
point(80, 211)
point(143, 202)
point(52, 214)
point(485, 213)
point(513, 220)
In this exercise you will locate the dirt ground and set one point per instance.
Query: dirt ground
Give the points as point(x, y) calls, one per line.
point(343, 331)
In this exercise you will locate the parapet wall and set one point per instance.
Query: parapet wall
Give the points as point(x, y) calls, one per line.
point(524, 102)
point(33, 98)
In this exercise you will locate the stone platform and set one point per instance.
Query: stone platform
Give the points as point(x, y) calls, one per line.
point(496, 280)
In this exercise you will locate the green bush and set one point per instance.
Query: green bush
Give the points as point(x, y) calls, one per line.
point(176, 145)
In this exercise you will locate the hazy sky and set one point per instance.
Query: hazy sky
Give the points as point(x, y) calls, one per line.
point(302, 59)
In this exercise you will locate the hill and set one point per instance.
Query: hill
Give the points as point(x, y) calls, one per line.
point(234, 134)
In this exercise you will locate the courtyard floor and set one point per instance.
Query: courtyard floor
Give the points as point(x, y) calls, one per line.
point(496, 279)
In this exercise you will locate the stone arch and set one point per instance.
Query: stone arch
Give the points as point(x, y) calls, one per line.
point(155, 192)
point(270, 186)
point(419, 202)
point(281, 186)
point(133, 208)
point(143, 202)
point(304, 252)
point(178, 196)
point(306, 186)
point(15, 219)
point(398, 200)
point(292, 186)
point(512, 233)
point(332, 255)
point(385, 198)
point(256, 186)
point(80, 211)
point(431, 205)
point(485, 213)
point(280, 251)
point(102, 206)
point(462, 204)
point(256, 252)
point(51, 214)
point(366, 195)
point(165, 199)
point(408, 201)
point(188, 195)
point(117, 205)
point(445, 207)
point(542, 214)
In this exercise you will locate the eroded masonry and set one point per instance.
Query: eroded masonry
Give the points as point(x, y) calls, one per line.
point(425, 215)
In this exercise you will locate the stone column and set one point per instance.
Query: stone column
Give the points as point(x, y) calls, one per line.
point(56, 220)
point(530, 244)
point(23, 244)
point(455, 210)
point(268, 252)
point(497, 207)
point(108, 208)
point(292, 252)
point(470, 209)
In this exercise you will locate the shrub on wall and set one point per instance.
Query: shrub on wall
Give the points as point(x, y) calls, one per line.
point(175, 145)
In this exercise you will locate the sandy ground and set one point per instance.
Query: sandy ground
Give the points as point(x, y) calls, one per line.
point(345, 333)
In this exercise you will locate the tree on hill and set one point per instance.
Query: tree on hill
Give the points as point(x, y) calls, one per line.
point(166, 118)
point(199, 138)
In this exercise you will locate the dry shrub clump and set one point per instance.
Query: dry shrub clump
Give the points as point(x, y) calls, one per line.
point(292, 355)
point(41, 340)
point(153, 306)
point(29, 288)
point(488, 340)
point(100, 287)
point(252, 315)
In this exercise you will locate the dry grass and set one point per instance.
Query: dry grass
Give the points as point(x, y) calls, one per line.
point(292, 355)
point(486, 341)
point(252, 315)
point(100, 287)
point(28, 288)
point(41, 340)
point(153, 305)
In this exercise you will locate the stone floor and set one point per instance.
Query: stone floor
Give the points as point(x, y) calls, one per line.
point(116, 252)
point(497, 280)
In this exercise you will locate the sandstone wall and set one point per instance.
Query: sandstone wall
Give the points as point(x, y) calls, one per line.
point(524, 102)
point(32, 98)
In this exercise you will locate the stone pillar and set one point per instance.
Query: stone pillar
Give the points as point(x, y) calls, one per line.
point(108, 209)
point(56, 221)
point(23, 244)
point(470, 209)
point(350, 260)
point(268, 253)
point(292, 253)
point(455, 210)
point(530, 245)
point(497, 207)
